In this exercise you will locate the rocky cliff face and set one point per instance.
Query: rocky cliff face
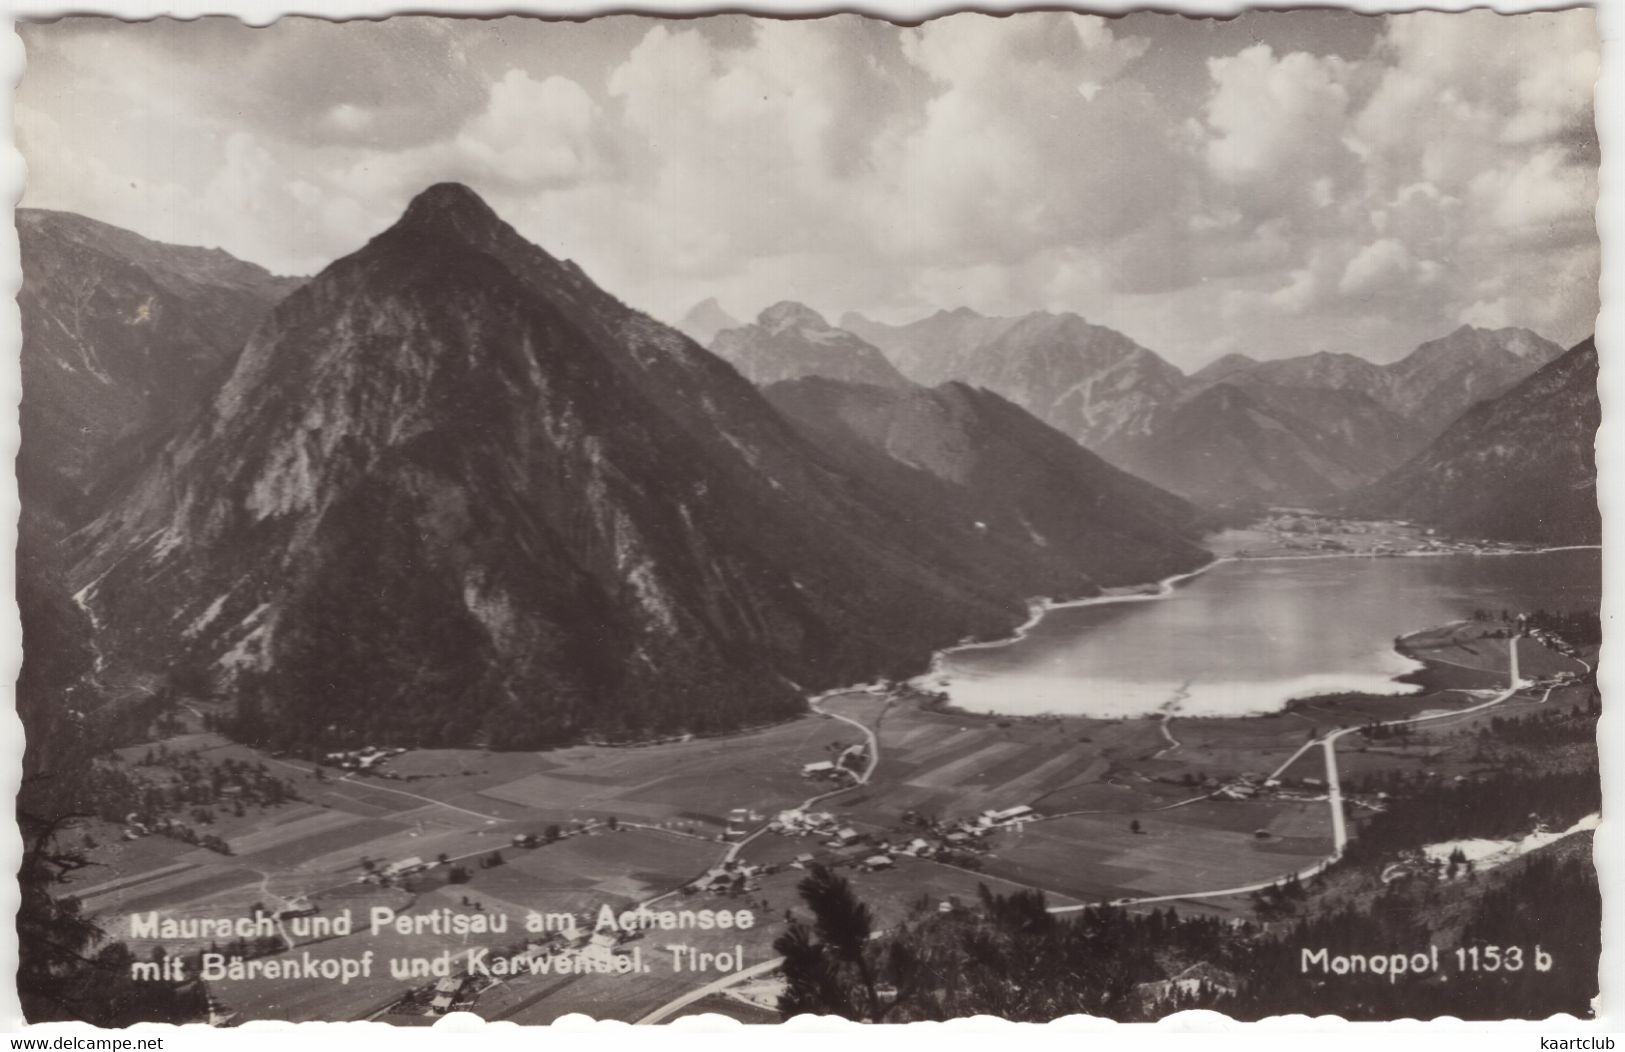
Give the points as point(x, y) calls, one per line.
point(932, 350)
point(1442, 378)
point(1090, 382)
point(453, 491)
point(790, 340)
point(124, 339)
point(1518, 467)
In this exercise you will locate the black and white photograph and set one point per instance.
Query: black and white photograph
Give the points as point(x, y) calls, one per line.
point(1022, 516)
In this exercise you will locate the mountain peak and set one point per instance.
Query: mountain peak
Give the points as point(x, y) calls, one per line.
point(788, 313)
point(451, 206)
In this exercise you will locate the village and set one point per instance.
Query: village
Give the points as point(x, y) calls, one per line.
point(1297, 532)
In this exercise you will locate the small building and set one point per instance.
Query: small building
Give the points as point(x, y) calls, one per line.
point(1008, 814)
point(847, 835)
point(447, 992)
point(817, 770)
point(404, 867)
point(802, 861)
point(874, 862)
point(603, 948)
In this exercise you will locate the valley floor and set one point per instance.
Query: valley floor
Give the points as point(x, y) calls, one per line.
point(1191, 812)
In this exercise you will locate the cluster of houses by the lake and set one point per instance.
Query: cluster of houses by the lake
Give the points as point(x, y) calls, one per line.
point(367, 760)
point(934, 839)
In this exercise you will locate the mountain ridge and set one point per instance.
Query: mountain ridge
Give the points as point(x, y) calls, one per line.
point(1520, 466)
point(789, 340)
point(549, 514)
point(124, 340)
point(1355, 419)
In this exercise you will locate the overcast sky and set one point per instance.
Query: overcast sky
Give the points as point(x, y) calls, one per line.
point(1278, 184)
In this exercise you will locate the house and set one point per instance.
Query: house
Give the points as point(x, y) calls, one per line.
point(802, 861)
point(403, 867)
point(874, 862)
point(817, 770)
point(1009, 814)
point(447, 992)
point(847, 835)
point(602, 948)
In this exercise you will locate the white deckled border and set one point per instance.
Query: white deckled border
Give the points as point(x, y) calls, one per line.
point(707, 1033)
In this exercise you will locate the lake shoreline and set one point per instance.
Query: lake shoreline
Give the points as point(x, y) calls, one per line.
point(1425, 676)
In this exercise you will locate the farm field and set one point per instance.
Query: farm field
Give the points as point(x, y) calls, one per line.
point(1206, 845)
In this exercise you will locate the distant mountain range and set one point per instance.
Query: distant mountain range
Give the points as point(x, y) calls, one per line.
point(123, 340)
point(704, 320)
point(790, 340)
point(1521, 466)
point(452, 491)
point(1239, 430)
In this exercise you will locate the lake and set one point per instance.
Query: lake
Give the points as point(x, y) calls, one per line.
point(1247, 636)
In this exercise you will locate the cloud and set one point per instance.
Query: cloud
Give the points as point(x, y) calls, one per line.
point(1541, 197)
point(1276, 125)
point(1018, 100)
point(1290, 182)
point(1455, 91)
point(534, 134)
point(1377, 267)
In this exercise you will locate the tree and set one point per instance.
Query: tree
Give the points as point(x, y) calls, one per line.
point(1134, 826)
point(826, 968)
